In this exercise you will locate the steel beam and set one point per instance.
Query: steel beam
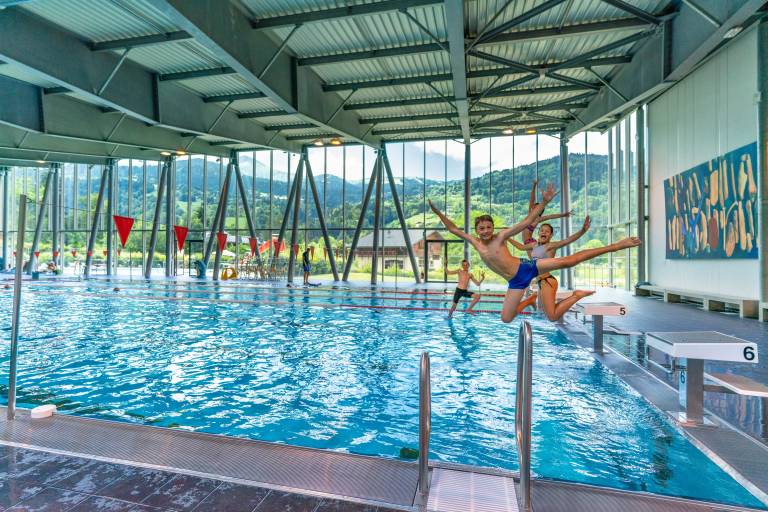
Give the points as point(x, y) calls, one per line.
point(244, 200)
point(219, 223)
point(439, 99)
point(39, 224)
point(666, 56)
point(480, 73)
point(161, 183)
point(339, 12)
point(225, 98)
point(359, 227)
point(566, 31)
point(135, 42)
point(454, 15)
point(280, 127)
point(641, 195)
point(221, 211)
point(259, 115)
point(296, 210)
point(321, 218)
point(521, 35)
point(565, 205)
point(55, 55)
point(223, 29)
point(400, 215)
point(286, 217)
point(376, 219)
point(198, 73)
point(581, 59)
point(467, 195)
point(634, 11)
point(532, 13)
point(95, 222)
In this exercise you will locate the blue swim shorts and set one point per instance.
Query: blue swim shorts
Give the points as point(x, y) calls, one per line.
point(525, 274)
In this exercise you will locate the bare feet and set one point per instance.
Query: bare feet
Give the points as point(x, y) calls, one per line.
point(628, 242)
point(583, 293)
point(470, 311)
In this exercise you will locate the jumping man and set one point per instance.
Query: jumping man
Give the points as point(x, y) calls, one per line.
point(492, 248)
point(462, 287)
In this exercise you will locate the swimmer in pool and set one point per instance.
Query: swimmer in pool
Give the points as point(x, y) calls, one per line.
point(492, 248)
point(462, 287)
point(545, 247)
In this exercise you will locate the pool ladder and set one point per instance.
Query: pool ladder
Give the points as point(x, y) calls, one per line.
point(523, 412)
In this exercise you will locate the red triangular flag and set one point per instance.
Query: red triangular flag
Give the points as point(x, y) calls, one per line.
point(222, 238)
point(181, 236)
point(37, 254)
point(254, 242)
point(264, 247)
point(73, 252)
point(55, 254)
point(123, 225)
point(296, 249)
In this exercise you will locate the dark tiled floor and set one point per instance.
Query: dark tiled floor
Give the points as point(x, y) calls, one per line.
point(34, 481)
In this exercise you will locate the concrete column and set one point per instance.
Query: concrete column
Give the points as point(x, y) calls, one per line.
point(55, 212)
point(170, 217)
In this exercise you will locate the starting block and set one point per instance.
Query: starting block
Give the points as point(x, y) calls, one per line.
point(598, 310)
point(693, 348)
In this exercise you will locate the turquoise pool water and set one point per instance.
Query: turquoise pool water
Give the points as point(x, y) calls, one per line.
point(345, 379)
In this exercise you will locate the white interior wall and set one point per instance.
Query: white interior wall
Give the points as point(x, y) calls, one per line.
point(710, 112)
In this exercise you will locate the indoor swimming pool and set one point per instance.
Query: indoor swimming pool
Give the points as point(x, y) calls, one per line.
point(291, 366)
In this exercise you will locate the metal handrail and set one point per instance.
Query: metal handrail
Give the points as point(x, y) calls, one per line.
point(425, 423)
point(523, 412)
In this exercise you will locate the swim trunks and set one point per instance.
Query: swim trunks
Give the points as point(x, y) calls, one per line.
point(307, 268)
point(525, 273)
point(459, 294)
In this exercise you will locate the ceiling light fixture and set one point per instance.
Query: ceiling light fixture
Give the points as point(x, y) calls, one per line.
point(318, 142)
point(732, 33)
point(508, 131)
point(165, 153)
point(530, 130)
point(181, 152)
point(40, 161)
point(335, 141)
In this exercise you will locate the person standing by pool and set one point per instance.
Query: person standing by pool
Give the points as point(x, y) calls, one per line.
point(545, 247)
point(306, 264)
point(492, 248)
point(462, 287)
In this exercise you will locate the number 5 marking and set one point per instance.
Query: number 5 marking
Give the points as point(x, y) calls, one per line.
point(622, 311)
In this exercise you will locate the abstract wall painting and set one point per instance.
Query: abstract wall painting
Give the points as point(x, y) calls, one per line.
point(711, 209)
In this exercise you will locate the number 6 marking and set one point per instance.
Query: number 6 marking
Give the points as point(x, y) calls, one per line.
point(749, 353)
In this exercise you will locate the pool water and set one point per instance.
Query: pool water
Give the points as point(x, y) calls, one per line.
point(292, 370)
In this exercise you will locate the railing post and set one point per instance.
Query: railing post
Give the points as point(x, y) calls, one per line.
point(16, 306)
point(523, 412)
point(425, 424)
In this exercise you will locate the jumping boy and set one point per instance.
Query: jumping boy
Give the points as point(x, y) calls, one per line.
point(462, 287)
point(492, 248)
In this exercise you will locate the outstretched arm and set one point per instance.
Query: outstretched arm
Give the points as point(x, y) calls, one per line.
point(477, 282)
point(450, 272)
point(450, 226)
point(518, 245)
point(532, 199)
point(566, 241)
point(532, 215)
point(553, 216)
